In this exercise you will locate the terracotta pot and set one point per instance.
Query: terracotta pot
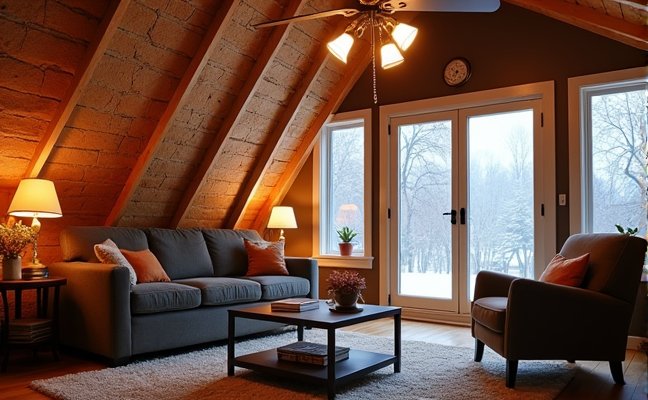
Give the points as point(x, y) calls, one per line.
point(346, 248)
point(11, 268)
point(346, 300)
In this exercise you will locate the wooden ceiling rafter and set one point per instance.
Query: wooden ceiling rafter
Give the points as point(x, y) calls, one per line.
point(270, 147)
point(355, 68)
point(589, 19)
point(107, 28)
point(252, 82)
point(214, 34)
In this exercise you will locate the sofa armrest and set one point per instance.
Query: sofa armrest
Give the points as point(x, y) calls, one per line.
point(95, 308)
point(492, 284)
point(548, 321)
point(305, 268)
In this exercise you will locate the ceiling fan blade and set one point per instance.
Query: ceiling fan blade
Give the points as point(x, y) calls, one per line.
point(441, 5)
point(347, 12)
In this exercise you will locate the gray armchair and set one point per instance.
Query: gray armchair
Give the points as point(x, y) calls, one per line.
point(523, 319)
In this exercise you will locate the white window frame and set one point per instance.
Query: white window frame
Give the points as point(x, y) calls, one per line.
point(364, 261)
point(579, 91)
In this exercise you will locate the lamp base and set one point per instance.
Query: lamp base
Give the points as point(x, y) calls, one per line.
point(35, 272)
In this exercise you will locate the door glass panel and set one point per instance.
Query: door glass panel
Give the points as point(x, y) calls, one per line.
point(500, 194)
point(425, 193)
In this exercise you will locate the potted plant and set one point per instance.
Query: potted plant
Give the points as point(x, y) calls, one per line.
point(345, 287)
point(13, 239)
point(346, 235)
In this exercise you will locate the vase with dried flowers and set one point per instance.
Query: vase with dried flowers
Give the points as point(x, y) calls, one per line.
point(345, 288)
point(14, 237)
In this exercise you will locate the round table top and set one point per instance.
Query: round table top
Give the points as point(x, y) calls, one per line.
point(32, 283)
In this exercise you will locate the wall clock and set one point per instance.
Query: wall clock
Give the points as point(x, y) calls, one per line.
point(456, 72)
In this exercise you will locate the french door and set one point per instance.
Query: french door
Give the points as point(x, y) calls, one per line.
point(465, 196)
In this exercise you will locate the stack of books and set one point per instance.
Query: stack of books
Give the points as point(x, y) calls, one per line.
point(297, 304)
point(30, 330)
point(310, 353)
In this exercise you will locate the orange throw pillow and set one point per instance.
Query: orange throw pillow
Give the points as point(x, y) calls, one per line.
point(266, 258)
point(146, 266)
point(566, 271)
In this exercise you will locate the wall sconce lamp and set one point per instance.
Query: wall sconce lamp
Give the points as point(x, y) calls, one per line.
point(282, 217)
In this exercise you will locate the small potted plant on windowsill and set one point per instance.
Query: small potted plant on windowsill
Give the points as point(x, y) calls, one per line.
point(346, 235)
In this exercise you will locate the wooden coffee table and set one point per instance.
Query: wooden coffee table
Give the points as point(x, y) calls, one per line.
point(358, 364)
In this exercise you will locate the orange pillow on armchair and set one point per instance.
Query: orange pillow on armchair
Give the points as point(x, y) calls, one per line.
point(566, 271)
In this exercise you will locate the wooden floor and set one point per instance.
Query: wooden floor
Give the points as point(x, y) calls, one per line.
point(592, 380)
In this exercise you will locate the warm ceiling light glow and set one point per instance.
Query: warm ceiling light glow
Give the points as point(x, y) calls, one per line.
point(404, 35)
point(390, 56)
point(341, 46)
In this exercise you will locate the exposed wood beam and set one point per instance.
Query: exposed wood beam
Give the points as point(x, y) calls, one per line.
point(589, 19)
point(270, 148)
point(177, 101)
point(252, 82)
point(106, 30)
point(354, 70)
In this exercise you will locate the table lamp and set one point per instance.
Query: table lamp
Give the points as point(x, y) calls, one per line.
point(282, 217)
point(36, 198)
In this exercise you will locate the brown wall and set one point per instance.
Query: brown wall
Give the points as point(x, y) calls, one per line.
point(509, 47)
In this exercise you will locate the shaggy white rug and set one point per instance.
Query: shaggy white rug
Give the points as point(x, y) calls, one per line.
point(428, 371)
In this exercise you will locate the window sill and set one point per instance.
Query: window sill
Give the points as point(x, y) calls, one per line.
point(359, 262)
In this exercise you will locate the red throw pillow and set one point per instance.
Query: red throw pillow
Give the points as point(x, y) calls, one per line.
point(266, 258)
point(566, 271)
point(146, 266)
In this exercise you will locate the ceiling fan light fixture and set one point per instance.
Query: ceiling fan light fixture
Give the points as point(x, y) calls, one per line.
point(390, 56)
point(341, 46)
point(404, 35)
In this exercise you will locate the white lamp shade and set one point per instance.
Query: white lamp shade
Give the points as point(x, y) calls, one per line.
point(390, 56)
point(404, 35)
point(282, 217)
point(35, 198)
point(341, 46)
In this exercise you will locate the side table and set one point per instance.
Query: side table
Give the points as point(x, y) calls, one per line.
point(32, 332)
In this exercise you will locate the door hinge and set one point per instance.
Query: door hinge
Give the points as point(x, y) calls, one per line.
point(389, 213)
point(542, 210)
point(389, 130)
point(542, 120)
point(389, 299)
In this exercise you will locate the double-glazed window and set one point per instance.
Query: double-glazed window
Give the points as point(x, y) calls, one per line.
point(342, 187)
point(612, 143)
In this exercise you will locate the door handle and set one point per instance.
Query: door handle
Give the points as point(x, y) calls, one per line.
point(453, 216)
point(462, 216)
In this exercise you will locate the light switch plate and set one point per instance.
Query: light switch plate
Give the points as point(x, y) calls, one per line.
point(562, 199)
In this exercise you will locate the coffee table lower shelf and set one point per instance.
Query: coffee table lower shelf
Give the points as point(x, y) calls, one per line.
point(358, 364)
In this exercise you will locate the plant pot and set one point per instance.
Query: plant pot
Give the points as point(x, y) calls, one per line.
point(346, 300)
point(346, 248)
point(11, 268)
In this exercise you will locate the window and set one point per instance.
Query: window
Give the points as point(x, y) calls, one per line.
point(609, 177)
point(342, 189)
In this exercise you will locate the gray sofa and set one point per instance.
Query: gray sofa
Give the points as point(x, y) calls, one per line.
point(102, 313)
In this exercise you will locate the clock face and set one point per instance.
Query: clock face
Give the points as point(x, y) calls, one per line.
point(456, 72)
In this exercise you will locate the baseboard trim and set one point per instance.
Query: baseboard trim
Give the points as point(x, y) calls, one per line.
point(419, 314)
point(635, 341)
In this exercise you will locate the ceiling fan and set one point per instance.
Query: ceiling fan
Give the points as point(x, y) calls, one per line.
point(376, 15)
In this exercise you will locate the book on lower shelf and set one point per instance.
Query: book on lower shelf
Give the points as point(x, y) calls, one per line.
point(310, 353)
point(295, 304)
point(29, 330)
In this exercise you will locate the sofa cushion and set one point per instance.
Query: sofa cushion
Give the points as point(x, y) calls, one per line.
point(226, 249)
point(280, 287)
point(156, 297)
point(218, 291)
point(108, 253)
point(77, 242)
point(265, 258)
point(490, 312)
point(182, 252)
point(146, 265)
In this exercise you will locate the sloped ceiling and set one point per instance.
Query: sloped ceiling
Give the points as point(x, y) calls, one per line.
point(177, 112)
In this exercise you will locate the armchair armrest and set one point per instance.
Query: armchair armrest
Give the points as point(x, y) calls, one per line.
point(95, 308)
point(305, 268)
point(492, 284)
point(548, 321)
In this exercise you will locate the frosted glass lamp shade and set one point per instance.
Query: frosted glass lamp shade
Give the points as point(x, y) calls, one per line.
point(35, 198)
point(404, 35)
point(282, 217)
point(390, 56)
point(341, 46)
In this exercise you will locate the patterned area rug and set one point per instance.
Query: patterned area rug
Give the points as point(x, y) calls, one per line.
point(429, 371)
